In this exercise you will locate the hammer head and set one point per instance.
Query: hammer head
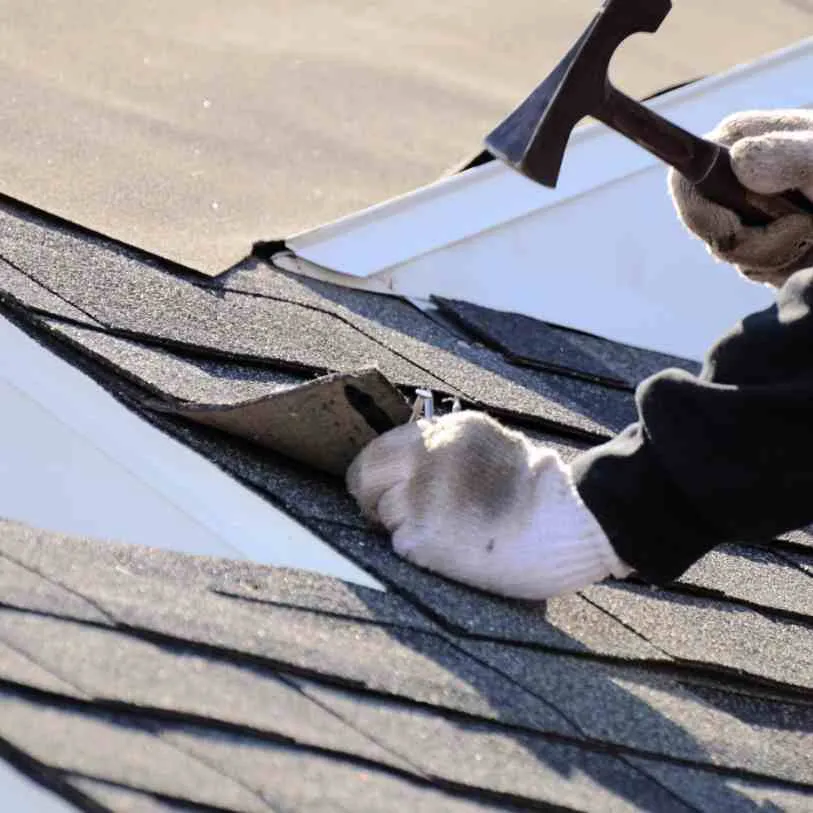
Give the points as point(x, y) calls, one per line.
point(533, 138)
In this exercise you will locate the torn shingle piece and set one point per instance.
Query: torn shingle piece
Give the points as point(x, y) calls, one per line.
point(324, 423)
point(321, 784)
point(117, 667)
point(567, 623)
point(498, 760)
point(709, 792)
point(109, 747)
point(645, 711)
point(713, 633)
point(174, 375)
point(527, 340)
point(754, 575)
point(303, 492)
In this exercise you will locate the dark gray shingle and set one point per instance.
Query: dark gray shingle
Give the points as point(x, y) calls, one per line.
point(539, 770)
point(108, 747)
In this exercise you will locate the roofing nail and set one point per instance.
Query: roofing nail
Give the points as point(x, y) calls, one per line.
point(424, 406)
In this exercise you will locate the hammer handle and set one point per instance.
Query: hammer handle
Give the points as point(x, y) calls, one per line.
point(706, 164)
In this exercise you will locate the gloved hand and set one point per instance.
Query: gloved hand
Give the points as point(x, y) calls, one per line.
point(771, 152)
point(481, 504)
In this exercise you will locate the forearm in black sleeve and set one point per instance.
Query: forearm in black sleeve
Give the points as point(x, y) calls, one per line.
point(724, 456)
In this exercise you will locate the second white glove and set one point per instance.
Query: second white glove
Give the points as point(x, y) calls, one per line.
point(771, 152)
point(481, 504)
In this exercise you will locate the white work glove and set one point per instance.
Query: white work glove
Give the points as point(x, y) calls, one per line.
point(481, 504)
point(771, 152)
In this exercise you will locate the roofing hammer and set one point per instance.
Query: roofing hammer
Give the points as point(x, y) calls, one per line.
point(533, 138)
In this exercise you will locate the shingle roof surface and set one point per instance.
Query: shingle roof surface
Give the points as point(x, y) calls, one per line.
point(137, 679)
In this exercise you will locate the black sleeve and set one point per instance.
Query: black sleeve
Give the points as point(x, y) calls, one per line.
point(724, 456)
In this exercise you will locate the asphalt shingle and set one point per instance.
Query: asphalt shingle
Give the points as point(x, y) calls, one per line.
point(16, 667)
point(714, 633)
point(526, 340)
point(710, 792)
point(126, 800)
point(654, 713)
point(754, 575)
point(538, 770)
point(567, 623)
point(174, 375)
point(321, 784)
point(106, 746)
point(17, 287)
point(23, 586)
point(192, 681)
point(127, 292)
point(418, 665)
point(119, 668)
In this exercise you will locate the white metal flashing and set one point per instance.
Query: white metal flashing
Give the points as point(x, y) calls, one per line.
point(603, 252)
point(75, 461)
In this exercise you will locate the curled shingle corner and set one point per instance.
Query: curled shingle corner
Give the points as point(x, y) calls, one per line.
point(324, 423)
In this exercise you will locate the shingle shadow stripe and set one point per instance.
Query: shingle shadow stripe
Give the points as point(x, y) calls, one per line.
point(48, 777)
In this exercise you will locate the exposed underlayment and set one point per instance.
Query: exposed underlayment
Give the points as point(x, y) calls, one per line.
point(195, 128)
point(139, 679)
